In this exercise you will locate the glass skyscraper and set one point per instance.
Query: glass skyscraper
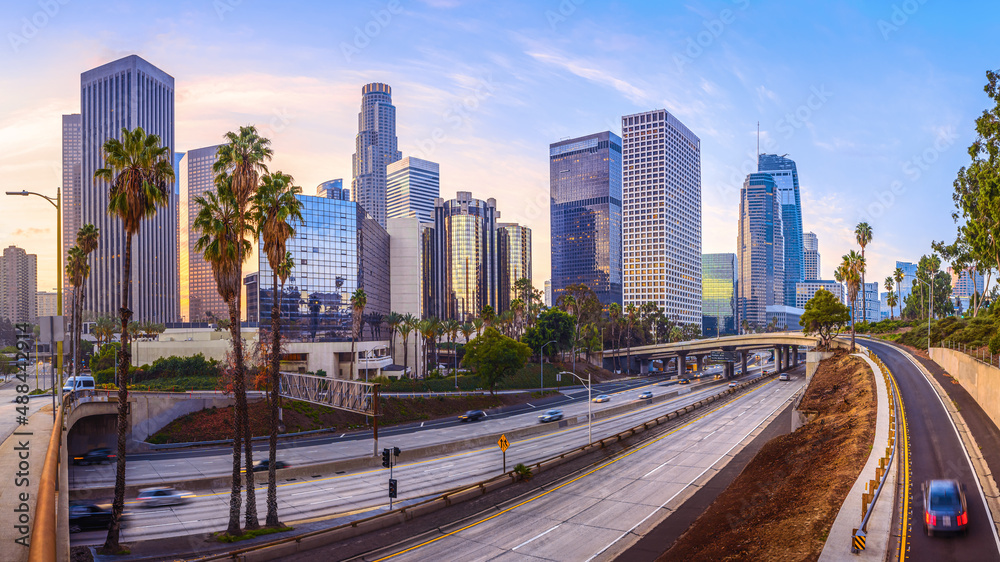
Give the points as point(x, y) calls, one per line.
point(786, 177)
point(412, 185)
point(204, 300)
point(337, 250)
point(909, 276)
point(333, 189)
point(514, 247)
point(465, 259)
point(72, 158)
point(718, 294)
point(760, 248)
point(374, 149)
point(585, 187)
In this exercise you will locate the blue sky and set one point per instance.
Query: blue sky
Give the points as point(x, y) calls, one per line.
point(874, 100)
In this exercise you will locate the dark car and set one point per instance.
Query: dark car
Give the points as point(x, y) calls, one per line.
point(85, 515)
point(95, 456)
point(472, 415)
point(944, 507)
point(262, 466)
point(550, 416)
point(684, 381)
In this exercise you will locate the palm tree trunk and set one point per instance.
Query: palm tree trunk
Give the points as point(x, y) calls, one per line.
point(78, 330)
point(124, 358)
point(242, 417)
point(272, 446)
point(406, 355)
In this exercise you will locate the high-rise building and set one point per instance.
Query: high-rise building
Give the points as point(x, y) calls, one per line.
point(333, 189)
point(810, 257)
point(786, 178)
point(46, 303)
point(548, 292)
point(718, 294)
point(204, 300)
point(514, 248)
point(72, 158)
point(466, 261)
point(128, 93)
point(252, 282)
point(18, 285)
point(964, 285)
point(806, 290)
point(661, 239)
point(909, 276)
point(760, 248)
point(870, 299)
point(338, 249)
point(409, 266)
point(585, 190)
point(374, 149)
point(412, 185)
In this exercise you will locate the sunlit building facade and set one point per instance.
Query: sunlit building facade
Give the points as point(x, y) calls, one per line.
point(760, 250)
point(18, 285)
point(786, 178)
point(412, 185)
point(718, 294)
point(806, 290)
point(810, 257)
point(374, 149)
point(514, 246)
point(333, 189)
point(72, 159)
point(466, 274)
point(204, 301)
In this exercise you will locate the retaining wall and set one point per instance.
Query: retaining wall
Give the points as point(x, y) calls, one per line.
point(981, 380)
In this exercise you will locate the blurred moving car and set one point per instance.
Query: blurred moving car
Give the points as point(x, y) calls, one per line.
point(84, 515)
point(646, 395)
point(472, 415)
point(784, 377)
point(733, 384)
point(165, 495)
point(601, 398)
point(944, 507)
point(96, 456)
point(684, 381)
point(263, 466)
point(551, 415)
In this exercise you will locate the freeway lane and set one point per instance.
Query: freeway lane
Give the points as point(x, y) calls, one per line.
point(593, 514)
point(936, 451)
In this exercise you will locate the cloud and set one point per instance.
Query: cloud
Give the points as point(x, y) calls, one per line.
point(589, 70)
point(31, 231)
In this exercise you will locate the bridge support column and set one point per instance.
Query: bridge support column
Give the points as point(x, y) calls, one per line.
point(682, 364)
point(743, 361)
point(700, 360)
point(778, 364)
point(795, 356)
point(643, 366)
point(730, 370)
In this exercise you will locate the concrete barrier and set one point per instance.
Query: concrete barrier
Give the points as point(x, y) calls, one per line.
point(981, 380)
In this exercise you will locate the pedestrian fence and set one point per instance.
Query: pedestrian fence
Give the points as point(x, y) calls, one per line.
point(982, 355)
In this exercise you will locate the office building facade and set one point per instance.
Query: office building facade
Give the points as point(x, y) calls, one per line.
point(128, 93)
point(514, 247)
point(719, 294)
point(810, 257)
point(412, 185)
point(760, 250)
point(909, 276)
point(964, 285)
point(661, 198)
point(870, 300)
point(548, 292)
point(252, 284)
point(410, 266)
point(375, 147)
point(204, 301)
point(72, 159)
point(18, 285)
point(585, 190)
point(46, 303)
point(466, 261)
point(333, 189)
point(786, 178)
point(806, 290)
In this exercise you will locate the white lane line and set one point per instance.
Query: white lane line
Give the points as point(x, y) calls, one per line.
point(530, 404)
point(536, 537)
point(342, 435)
point(662, 465)
point(422, 423)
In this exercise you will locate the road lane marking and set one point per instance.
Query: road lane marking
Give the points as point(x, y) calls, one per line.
point(662, 465)
point(538, 536)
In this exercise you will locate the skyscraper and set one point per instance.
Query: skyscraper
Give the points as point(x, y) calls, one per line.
point(466, 262)
point(128, 93)
point(374, 149)
point(661, 239)
point(18, 285)
point(786, 178)
point(585, 189)
point(72, 158)
point(965, 284)
point(204, 298)
point(759, 249)
point(412, 185)
point(514, 248)
point(718, 294)
point(333, 189)
point(909, 276)
point(810, 257)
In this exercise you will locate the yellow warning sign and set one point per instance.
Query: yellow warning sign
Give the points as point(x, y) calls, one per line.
point(503, 443)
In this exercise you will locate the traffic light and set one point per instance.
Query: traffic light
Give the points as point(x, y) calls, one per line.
point(396, 451)
point(385, 458)
point(392, 488)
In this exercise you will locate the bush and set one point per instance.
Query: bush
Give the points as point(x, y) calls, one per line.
point(995, 343)
point(321, 373)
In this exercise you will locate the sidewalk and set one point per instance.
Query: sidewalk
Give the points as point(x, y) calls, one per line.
point(838, 542)
point(33, 446)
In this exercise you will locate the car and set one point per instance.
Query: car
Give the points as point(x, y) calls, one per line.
point(262, 466)
point(601, 398)
point(78, 382)
point(944, 507)
point(472, 415)
point(646, 395)
point(165, 495)
point(84, 515)
point(784, 377)
point(551, 415)
point(684, 381)
point(733, 384)
point(96, 456)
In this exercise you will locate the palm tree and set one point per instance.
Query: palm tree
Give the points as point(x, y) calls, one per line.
point(86, 240)
point(630, 312)
point(405, 327)
point(139, 172)
point(888, 287)
point(428, 330)
point(614, 313)
point(478, 324)
point(863, 233)
point(451, 327)
point(239, 165)
point(392, 320)
point(898, 275)
point(570, 306)
point(359, 300)
point(225, 248)
point(850, 271)
point(276, 211)
point(77, 270)
point(893, 300)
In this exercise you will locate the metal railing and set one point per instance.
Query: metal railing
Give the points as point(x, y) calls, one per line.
point(979, 354)
point(43, 537)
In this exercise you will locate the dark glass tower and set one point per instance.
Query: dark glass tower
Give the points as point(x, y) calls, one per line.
point(718, 294)
point(786, 178)
point(760, 248)
point(585, 186)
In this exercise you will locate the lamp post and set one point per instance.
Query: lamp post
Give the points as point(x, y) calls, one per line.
point(930, 310)
point(541, 367)
point(590, 404)
point(57, 203)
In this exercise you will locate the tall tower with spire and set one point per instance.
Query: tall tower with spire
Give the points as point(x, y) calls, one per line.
point(375, 147)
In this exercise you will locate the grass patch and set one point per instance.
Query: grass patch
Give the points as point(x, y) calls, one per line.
point(38, 391)
point(223, 537)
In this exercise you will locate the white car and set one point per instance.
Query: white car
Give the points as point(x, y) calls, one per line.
point(601, 398)
point(551, 415)
point(156, 497)
point(733, 384)
point(646, 395)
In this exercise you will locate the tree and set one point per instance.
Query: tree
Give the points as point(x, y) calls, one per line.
point(392, 320)
point(614, 314)
point(897, 276)
point(850, 271)
point(452, 327)
point(552, 325)
point(77, 270)
point(495, 357)
point(888, 287)
point(893, 300)
point(824, 316)
point(276, 212)
point(359, 300)
point(863, 233)
point(86, 242)
point(406, 326)
point(139, 172)
point(630, 316)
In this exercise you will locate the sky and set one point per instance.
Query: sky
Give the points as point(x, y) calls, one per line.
point(875, 101)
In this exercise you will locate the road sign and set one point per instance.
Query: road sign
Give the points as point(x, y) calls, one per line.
point(719, 355)
point(503, 443)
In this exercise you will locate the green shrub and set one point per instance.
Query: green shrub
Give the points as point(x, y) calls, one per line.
point(321, 373)
point(995, 343)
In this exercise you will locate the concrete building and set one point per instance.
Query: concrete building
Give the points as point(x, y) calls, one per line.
point(548, 292)
point(585, 189)
point(872, 314)
point(786, 178)
point(128, 93)
point(252, 283)
point(412, 185)
point(661, 239)
point(374, 149)
point(46, 303)
point(203, 292)
point(514, 248)
point(785, 318)
point(466, 261)
point(759, 250)
point(72, 178)
point(719, 291)
point(810, 257)
point(18, 285)
point(410, 267)
point(805, 290)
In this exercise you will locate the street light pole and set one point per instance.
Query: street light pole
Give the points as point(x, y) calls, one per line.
point(930, 310)
point(590, 405)
point(541, 367)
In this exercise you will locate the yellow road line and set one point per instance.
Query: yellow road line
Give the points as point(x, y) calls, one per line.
point(905, 465)
point(584, 475)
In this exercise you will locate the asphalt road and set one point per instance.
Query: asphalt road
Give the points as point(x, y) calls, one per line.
point(936, 451)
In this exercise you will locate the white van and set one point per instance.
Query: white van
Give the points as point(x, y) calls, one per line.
point(81, 382)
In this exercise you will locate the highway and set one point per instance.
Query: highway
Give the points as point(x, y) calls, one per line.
point(362, 492)
point(593, 514)
point(936, 451)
